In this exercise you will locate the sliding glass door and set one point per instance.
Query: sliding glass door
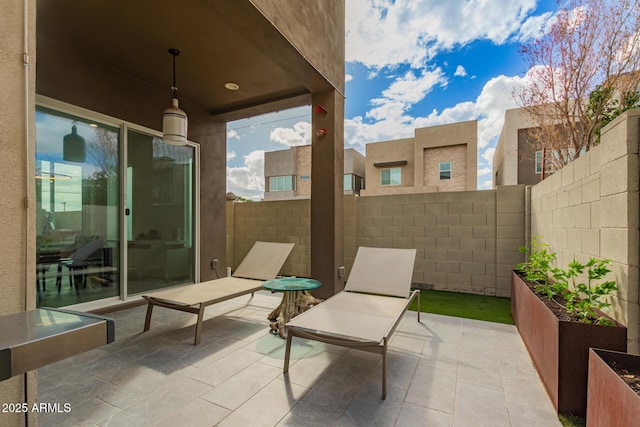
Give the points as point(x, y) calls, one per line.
point(160, 214)
point(77, 205)
point(107, 231)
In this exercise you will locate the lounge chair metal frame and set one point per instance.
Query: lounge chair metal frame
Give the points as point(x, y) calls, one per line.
point(263, 262)
point(300, 328)
point(369, 346)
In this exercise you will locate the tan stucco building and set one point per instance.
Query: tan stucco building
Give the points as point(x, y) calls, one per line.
point(516, 159)
point(101, 70)
point(437, 158)
point(287, 173)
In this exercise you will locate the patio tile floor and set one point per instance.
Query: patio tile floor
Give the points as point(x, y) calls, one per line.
point(445, 371)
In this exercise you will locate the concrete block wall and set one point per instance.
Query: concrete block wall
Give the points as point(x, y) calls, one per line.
point(286, 221)
point(459, 246)
point(590, 209)
point(510, 234)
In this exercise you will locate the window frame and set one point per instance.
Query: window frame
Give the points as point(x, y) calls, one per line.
point(441, 171)
point(291, 182)
point(391, 172)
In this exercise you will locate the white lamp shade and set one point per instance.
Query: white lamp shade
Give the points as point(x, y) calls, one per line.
point(174, 124)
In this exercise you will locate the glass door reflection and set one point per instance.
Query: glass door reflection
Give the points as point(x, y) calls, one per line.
point(77, 205)
point(159, 213)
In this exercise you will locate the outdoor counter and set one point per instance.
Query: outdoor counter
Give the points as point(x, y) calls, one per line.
point(35, 338)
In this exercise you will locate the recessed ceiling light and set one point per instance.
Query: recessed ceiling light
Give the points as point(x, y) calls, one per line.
point(231, 86)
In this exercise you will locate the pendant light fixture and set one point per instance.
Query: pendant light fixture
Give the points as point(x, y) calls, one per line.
point(73, 145)
point(174, 120)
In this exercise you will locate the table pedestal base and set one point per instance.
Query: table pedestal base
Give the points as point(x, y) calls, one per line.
point(293, 303)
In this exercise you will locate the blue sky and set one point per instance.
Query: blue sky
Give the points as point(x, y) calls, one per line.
point(409, 64)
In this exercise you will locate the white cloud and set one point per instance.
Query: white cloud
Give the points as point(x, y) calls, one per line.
point(486, 185)
point(390, 120)
point(248, 180)
point(488, 154)
point(496, 97)
point(348, 78)
point(535, 27)
point(389, 32)
point(231, 133)
point(484, 171)
point(300, 134)
point(460, 71)
point(231, 155)
point(412, 89)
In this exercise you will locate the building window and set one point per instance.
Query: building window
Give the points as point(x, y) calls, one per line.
point(391, 176)
point(282, 183)
point(445, 170)
point(538, 162)
point(348, 182)
point(353, 183)
point(548, 167)
point(304, 178)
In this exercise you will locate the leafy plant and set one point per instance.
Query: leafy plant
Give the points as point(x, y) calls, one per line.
point(583, 299)
point(538, 268)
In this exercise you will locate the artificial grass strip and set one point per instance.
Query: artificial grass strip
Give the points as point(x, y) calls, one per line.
point(572, 421)
point(469, 306)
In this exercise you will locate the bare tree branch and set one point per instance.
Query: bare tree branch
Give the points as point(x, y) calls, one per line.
point(592, 48)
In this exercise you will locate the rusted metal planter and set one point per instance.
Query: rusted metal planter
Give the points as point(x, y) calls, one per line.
point(560, 349)
point(611, 402)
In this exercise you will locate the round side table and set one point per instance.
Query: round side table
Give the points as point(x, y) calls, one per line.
point(295, 300)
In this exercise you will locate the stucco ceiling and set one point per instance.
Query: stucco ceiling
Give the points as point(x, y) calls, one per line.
point(220, 41)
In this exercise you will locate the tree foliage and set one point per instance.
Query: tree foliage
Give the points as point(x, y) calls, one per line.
point(582, 73)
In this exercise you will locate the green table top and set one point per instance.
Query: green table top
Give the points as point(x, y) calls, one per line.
point(291, 284)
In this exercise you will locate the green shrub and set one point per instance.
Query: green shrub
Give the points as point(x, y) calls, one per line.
point(583, 299)
point(539, 270)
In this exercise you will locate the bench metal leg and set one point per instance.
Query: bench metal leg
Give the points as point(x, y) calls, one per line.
point(147, 320)
point(287, 353)
point(199, 325)
point(384, 369)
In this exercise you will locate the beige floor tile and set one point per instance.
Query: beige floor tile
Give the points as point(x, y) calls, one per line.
point(433, 388)
point(443, 371)
point(414, 415)
point(268, 406)
point(223, 369)
point(479, 407)
point(239, 388)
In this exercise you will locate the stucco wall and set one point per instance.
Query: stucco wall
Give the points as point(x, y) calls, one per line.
point(387, 151)
point(354, 162)
point(590, 209)
point(508, 158)
point(306, 29)
point(457, 156)
point(303, 168)
point(17, 183)
point(452, 134)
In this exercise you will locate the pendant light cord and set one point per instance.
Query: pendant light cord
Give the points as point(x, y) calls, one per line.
point(174, 88)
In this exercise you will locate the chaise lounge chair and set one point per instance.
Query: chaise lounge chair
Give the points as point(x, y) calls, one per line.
point(366, 313)
point(263, 262)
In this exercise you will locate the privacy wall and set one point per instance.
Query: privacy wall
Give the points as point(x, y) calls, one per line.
point(590, 209)
point(469, 241)
point(460, 246)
